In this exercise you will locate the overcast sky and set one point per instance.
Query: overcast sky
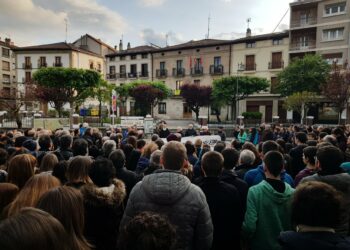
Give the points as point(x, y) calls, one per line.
point(29, 22)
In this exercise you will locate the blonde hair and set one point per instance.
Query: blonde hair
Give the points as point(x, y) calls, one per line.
point(149, 149)
point(20, 169)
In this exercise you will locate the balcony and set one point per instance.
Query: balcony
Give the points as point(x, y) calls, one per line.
point(132, 75)
point(303, 22)
point(176, 92)
point(161, 73)
point(276, 65)
point(143, 74)
point(112, 76)
point(57, 64)
point(197, 71)
point(42, 65)
point(250, 67)
point(122, 75)
point(6, 80)
point(26, 66)
point(216, 69)
point(178, 72)
point(300, 46)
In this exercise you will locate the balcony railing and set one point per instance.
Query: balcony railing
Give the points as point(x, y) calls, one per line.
point(161, 73)
point(303, 22)
point(27, 65)
point(197, 71)
point(42, 65)
point(6, 80)
point(57, 64)
point(112, 76)
point(122, 75)
point(250, 67)
point(276, 65)
point(216, 69)
point(132, 75)
point(143, 74)
point(178, 72)
point(311, 44)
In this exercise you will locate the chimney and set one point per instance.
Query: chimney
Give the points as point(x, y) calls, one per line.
point(121, 45)
point(249, 32)
point(7, 40)
point(116, 47)
point(129, 46)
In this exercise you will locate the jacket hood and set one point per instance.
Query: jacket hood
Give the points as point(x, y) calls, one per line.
point(111, 195)
point(275, 196)
point(143, 162)
point(165, 186)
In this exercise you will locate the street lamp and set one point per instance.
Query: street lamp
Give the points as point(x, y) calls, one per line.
point(240, 68)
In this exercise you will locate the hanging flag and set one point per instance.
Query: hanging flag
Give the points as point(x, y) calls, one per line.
point(114, 101)
point(190, 61)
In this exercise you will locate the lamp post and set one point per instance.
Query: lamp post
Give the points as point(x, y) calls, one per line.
point(240, 68)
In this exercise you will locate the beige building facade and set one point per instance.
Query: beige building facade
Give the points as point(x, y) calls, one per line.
point(8, 80)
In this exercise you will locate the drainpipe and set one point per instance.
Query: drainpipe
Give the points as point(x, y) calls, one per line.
point(229, 62)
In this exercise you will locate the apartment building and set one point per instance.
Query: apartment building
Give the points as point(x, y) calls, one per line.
point(8, 67)
point(322, 27)
point(261, 56)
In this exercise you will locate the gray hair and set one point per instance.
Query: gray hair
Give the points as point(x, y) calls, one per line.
point(155, 158)
point(246, 157)
point(108, 147)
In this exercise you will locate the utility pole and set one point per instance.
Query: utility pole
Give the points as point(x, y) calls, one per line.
point(208, 26)
point(66, 21)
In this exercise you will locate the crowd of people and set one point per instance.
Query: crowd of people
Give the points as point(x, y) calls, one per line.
point(271, 187)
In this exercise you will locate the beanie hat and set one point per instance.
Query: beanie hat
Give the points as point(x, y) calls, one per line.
point(30, 145)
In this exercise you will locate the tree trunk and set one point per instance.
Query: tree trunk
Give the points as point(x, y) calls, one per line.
point(233, 111)
point(100, 112)
point(18, 120)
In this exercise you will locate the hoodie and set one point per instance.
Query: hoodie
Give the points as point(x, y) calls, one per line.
point(268, 213)
point(172, 194)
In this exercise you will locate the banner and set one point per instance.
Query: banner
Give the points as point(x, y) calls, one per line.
point(114, 101)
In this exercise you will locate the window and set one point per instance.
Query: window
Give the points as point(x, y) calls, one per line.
point(162, 108)
point(28, 77)
point(277, 41)
point(122, 71)
point(122, 58)
point(42, 61)
point(333, 58)
point(112, 59)
point(5, 65)
point(111, 70)
point(5, 52)
point(217, 61)
point(133, 69)
point(133, 57)
point(251, 45)
point(250, 62)
point(274, 82)
point(99, 67)
point(144, 56)
point(58, 61)
point(91, 65)
point(333, 34)
point(144, 70)
point(197, 82)
point(334, 9)
point(276, 60)
point(162, 65)
point(178, 84)
point(179, 64)
point(6, 79)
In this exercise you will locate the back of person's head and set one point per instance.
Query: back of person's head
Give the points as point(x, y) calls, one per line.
point(48, 162)
point(274, 162)
point(310, 153)
point(149, 149)
point(154, 137)
point(155, 158)
point(33, 229)
point(20, 169)
point(219, 146)
point(66, 142)
point(329, 159)
point(118, 158)
point(32, 191)
point(66, 205)
point(160, 143)
point(30, 144)
point(316, 204)
point(212, 163)
point(3, 156)
point(236, 144)
point(268, 146)
point(8, 193)
point(44, 142)
point(322, 135)
point(311, 143)
point(174, 155)
point(108, 146)
point(246, 157)
point(140, 144)
point(59, 171)
point(301, 137)
point(19, 141)
point(231, 156)
point(78, 169)
point(198, 143)
point(132, 140)
point(330, 139)
point(80, 147)
point(147, 231)
point(190, 149)
point(102, 172)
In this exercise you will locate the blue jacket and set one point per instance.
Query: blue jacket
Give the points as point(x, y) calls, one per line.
point(255, 176)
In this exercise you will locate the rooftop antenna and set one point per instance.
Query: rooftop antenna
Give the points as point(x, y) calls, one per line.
point(166, 39)
point(66, 21)
point(248, 21)
point(208, 26)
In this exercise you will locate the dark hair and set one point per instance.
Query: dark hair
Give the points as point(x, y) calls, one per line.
point(154, 137)
point(274, 162)
point(48, 162)
point(59, 171)
point(102, 172)
point(132, 140)
point(44, 142)
point(313, 135)
point(33, 229)
point(330, 159)
point(140, 143)
point(3, 156)
point(78, 169)
point(322, 134)
point(310, 153)
point(118, 158)
point(231, 157)
point(66, 205)
point(160, 143)
point(301, 136)
point(80, 147)
point(147, 231)
point(311, 143)
point(8, 192)
point(269, 146)
point(219, 146)
point(212, 163)
point(19, 141)
point(66, 141)
point(316, 204)
point(190, 149)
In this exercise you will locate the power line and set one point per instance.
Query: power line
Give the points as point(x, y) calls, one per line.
point(281, 20)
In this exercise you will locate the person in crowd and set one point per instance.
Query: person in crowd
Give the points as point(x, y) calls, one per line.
point(224, 203)
point(154, 137)
point(221, 133)
point(160, 143)
point(338, 133)
point(154, 163)
point(66, 205)
point(180, 131)
point(59, 171)
point(78, 171)
point(104, 207)
point(169, 192)
point(148, 231)
point(242, 136)
point(163, 131)
point(204, 131)
point(245, 162)
point(309, 154)
point(108, 147)
point(48, 162)
point(45, 144)
point(191, 153)
point(143, 162)
point(140, 144)
point(3, 159)
point(254, 148)
point(329, 159)
point(255, 176)
point(190, 131)
point(296, 153)
point(80, 147)
point(20, 169)
point(31, 146)
point(198, 144)
point(197, 170)
point(268, 206)
point(64, 151)
point(32, 191)
point(8, 193)
point(316, 210)
point(33, 229)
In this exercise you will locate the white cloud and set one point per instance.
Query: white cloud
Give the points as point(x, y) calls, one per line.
point(159, 39)
point(152, 3)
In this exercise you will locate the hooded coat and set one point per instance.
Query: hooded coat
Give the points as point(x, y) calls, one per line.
point(103, 211)
point(172, 194)
point(268, 213)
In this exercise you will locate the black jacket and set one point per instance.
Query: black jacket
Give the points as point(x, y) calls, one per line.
point(190, 132)
point(128, 177)
point(297, 163)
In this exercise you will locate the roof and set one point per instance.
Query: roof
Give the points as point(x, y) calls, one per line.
point(196, 44)
point(55, 46)
point(98, 41)
point(133, 51)
point(2, 43)
point(268, 36)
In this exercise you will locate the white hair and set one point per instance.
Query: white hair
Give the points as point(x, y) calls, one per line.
point(108, 146)
point(246, 157)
